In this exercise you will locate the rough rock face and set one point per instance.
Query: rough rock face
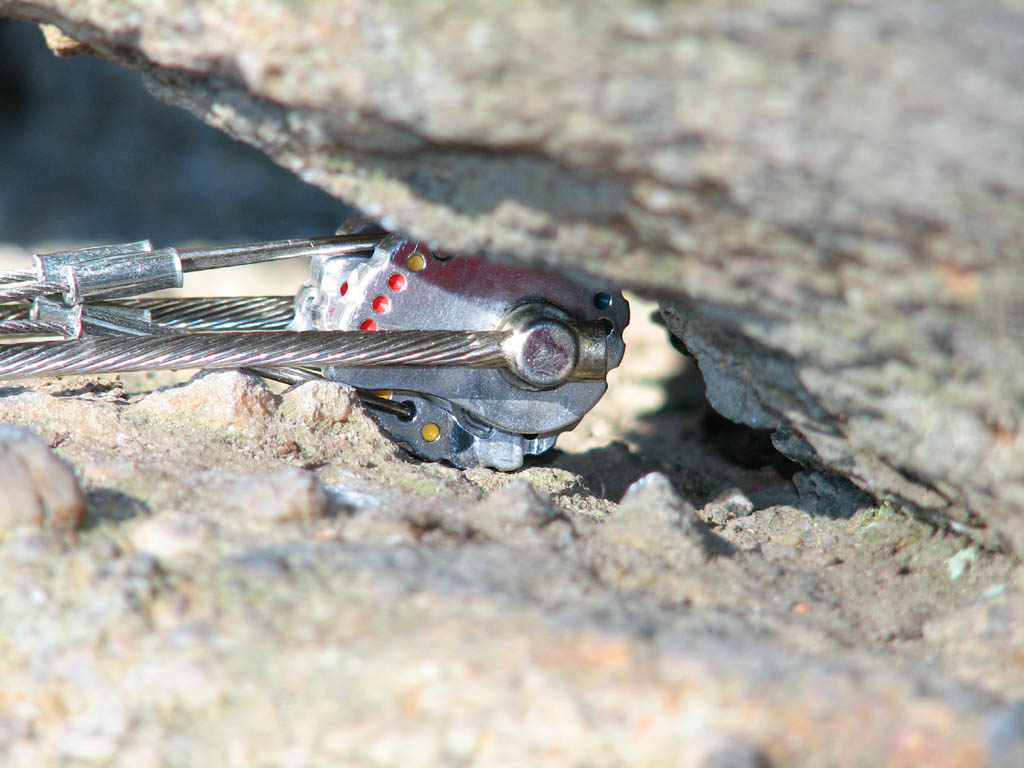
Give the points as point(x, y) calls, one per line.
point(827, 196)
point(260, 579)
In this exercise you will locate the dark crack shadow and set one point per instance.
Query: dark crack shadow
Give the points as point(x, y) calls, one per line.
point(605, 472)
point(96, 387)
point(699, 449)
point(108, 505)
point(703, 453)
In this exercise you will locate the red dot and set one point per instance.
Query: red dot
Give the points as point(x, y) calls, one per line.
point(381, 304)
point(368, 325)
point(396, 282)
point(344, 288)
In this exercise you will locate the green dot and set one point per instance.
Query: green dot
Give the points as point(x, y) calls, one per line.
point(602, 300)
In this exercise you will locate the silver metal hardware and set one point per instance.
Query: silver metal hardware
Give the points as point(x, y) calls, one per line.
point(122, 276)
point(459, 358)
point(50, 266)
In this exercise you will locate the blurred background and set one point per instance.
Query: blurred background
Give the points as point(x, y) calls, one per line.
point(88, 155)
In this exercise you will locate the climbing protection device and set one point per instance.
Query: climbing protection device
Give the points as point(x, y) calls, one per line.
point(459, 358)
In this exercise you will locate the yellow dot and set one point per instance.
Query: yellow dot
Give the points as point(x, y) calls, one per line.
point(384, 393)
point(416, 262)
point(430, 432)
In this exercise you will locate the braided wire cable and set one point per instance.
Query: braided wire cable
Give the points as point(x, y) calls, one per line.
point(32, 327)
point(14, 311)
point(31, 290)
point(240, 313)
point(18, 276)
point(217, 257)
point(479, 349)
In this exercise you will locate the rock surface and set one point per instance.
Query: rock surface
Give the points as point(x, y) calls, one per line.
point(261, 576)
point(828, 196)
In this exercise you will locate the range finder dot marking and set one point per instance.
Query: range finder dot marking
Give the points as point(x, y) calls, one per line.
point(381, 304)
point(430, 432)
point(396, 282)
point(416, 262)
point(368, 325)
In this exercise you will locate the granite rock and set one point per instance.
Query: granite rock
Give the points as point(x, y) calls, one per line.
point(826, 196)
point(283, 582)
point(219, 399)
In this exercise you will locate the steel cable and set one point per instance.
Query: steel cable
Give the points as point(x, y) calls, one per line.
point(18, 276)
point(32, 327)
point(31, 290)
point(241, 313)
point(14, 311)
point(197, 259)
point(479, 349)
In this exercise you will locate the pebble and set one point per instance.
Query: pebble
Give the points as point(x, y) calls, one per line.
point(169, 536)
point(737, 756)
point(958, 564)
point(652, 516)
point(654, 497)
point(318, 403)
point(217, 398)
point(727, 504)
point(826, 494)
point(287, 494)
point(40, 489)
point(517, 507)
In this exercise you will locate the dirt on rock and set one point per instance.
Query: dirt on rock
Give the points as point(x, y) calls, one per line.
point(262, 578)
